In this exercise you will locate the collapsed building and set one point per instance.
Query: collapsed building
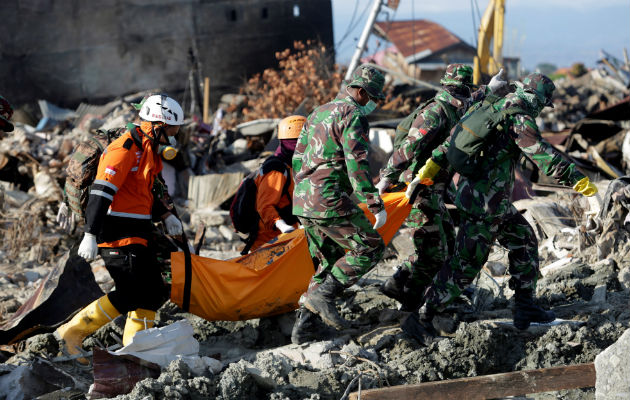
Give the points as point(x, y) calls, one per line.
point(585, 276)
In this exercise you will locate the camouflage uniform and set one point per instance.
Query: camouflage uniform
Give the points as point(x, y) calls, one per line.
point(330, 163)
point(484, 202)
point(433, 231)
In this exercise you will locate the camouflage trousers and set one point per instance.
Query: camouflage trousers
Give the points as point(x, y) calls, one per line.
point(472, 246)
point(433, 236)
point(346, 247)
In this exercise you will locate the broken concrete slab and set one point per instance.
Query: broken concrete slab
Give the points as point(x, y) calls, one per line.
point(613, 370)
point(38, 377)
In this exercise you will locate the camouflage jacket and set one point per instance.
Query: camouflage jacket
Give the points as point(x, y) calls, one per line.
point(430, 128)
point(331, 162)
point(489, 194)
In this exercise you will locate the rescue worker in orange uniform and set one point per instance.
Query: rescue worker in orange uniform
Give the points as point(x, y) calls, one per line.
point(275, 188)
point(119, 219)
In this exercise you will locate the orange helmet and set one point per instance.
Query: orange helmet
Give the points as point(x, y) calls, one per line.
point(290, 127)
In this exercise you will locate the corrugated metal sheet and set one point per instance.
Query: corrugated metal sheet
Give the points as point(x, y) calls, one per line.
point(418, 38)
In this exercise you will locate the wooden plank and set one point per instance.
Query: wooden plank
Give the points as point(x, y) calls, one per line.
point(206, 100)
point(603, 165)
point(491, 386)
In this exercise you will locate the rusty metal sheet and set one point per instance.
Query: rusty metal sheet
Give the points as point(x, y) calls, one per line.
point(418, 36)
point(115, 375)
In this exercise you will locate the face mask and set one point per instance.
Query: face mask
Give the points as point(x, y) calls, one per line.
point(368, 108)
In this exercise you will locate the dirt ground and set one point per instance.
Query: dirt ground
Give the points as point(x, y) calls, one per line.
point(478, 338)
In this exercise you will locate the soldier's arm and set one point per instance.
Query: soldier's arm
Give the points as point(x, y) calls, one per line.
point(300, 148)
point(438, 155)
point(542, 154)
point(113, 167)
point(354, 142)
point(424, 128)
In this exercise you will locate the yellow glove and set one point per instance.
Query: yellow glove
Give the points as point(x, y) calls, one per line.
point(585, 187)
point(427, 172)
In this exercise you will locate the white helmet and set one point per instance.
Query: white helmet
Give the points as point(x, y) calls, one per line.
point(161, 108)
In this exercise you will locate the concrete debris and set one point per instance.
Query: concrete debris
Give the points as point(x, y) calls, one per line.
point(611, 365)
point(583, 251)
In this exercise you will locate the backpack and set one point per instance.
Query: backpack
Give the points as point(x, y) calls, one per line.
point(243, 208)
point(470, 135)
point(82, 167)
point(402, 130)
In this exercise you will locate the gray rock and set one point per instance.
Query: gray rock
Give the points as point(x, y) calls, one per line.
point(612, 368)
point(31, 275)
point(624, 277)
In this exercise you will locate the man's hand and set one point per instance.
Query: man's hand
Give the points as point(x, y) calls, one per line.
point(88, 247)
point(173, 225)
point(382, 185)
point(65, 218)
point(381, 218)
point(283, 226)
point(498, 82)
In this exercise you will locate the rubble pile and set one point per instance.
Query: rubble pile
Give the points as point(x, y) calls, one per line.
point(575, 98)
point(583, 249)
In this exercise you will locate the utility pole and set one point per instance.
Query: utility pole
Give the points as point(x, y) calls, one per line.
point(376, 8)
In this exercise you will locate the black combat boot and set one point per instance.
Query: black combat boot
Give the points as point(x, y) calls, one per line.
point(305, 328)
point(527, 311)
point(321, 301)
point(401, 288)
point(419, 325)
point(394, 286)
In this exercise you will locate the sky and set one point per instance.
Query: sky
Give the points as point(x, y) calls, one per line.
point(560, 32)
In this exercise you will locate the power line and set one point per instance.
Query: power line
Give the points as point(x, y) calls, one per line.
point(352, 28)
point(348, 30)
point(472, 14)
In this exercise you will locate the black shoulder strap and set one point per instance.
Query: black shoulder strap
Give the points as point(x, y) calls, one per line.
point(136, 137)
point(273, 163)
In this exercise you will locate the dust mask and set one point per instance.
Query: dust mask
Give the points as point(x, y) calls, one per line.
point(368, 108)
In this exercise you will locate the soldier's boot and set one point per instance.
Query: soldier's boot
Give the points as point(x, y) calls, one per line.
point(419, 325)
point(321, 301)
point(401, 288)
point(527, 311)
point(85, 322)
point(306, 327)
point(394, 286)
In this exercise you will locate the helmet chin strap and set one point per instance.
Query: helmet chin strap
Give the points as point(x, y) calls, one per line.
point(157, 136)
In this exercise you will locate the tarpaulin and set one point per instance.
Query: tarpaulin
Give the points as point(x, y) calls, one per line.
point(265, 282)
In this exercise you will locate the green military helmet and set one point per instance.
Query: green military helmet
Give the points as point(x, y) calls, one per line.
point(6, 112)
point(370, 79)
point(541, 86)
point(458, 75)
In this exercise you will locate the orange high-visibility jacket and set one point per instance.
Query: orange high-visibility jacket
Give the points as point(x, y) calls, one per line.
point(269, 200)
point(121, 206)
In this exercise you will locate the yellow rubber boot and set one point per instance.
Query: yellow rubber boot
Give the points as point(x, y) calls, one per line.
point(85, 322)
point(137, 321)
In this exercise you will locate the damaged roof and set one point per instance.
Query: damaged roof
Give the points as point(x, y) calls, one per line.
point(418, 39)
